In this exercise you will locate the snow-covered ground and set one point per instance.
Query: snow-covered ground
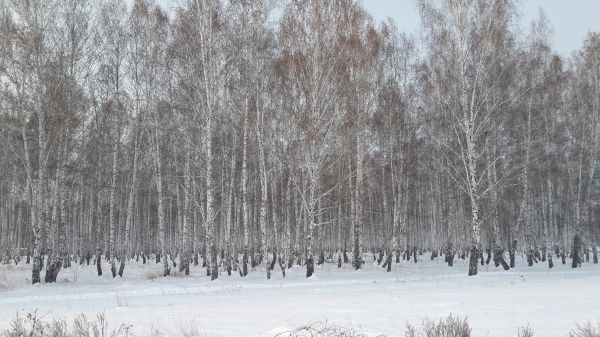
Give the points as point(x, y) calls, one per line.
point(370, 301)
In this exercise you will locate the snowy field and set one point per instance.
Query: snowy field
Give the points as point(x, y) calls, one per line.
point(369, 301)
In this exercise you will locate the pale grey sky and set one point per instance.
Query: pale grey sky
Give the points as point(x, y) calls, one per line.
point(571, 19)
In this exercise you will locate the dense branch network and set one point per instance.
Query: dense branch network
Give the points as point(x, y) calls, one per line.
point(256, 135)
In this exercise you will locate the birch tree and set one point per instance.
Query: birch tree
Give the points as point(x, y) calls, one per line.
point(466, 39)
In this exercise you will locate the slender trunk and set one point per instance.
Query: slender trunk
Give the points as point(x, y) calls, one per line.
point(186, 236)
point(576, 251)
point(210, 212)
point(357, 216)
point(229, 216)
point(244, 183)
point(40, 194)
point(311, 210)
point(161, 210)
point(113, 191)
point(473, 190)
point(262, 217)
point(339, 227)
point(130, 211)
point(52, 239)
point(32, 200)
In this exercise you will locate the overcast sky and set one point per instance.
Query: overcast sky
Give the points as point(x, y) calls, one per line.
point(571, 19)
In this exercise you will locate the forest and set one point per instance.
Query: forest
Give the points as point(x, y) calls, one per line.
point(256, 136)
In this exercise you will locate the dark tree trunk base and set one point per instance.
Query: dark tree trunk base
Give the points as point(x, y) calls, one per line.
point(449, 257)
point(310, 267)
point(499, 259)
point(99, 265)
point(47, 276)
point(52, 269)
point(481, 259)
point(388, 263)
point(321, 258)
point(244, 270)
point(273, 261)
point(512, 247)
point(503, 263)
point(122, 267)
point(576, 252)
point(282, 265)
point(35, 273)
point(587, 254)
point(544, 254)
point(473, 261)
point(214, 273)
point(113, 268)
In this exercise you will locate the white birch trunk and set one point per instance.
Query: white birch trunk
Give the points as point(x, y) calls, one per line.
point(112, 205)
point(356, 222)
point(244, 174)
point(210, 212)
point(130, 211)
point(262, 217)
point(186, 235)
point(161, 210)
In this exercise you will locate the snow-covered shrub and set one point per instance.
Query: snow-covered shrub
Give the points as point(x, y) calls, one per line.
point(156, 332)
point(586, 330)
point(29, 325)
point(525, 332)
point(321, 329)
point(446, 327)
point(34, 326)
point(82, 327)
point(189, 331)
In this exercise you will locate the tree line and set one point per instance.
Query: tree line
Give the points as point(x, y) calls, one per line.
point(240, 134)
